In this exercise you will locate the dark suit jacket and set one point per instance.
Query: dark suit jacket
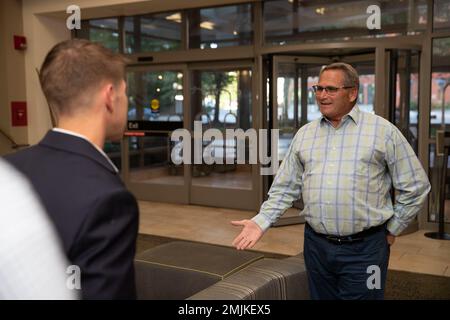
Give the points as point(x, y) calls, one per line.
point(95, 216)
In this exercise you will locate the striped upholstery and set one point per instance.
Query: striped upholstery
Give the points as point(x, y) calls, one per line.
point(266, 279)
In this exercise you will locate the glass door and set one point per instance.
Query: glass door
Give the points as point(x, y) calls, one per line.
point(221, 98)
point(402, 96)
point(156, 108)
point(404, 92)
point(293, 104)
point(439, 126)
point(198, 98)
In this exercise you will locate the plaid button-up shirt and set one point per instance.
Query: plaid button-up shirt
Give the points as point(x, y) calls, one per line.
point(345, 175)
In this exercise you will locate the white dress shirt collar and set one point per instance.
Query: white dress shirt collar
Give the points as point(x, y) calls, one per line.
point(64, 131)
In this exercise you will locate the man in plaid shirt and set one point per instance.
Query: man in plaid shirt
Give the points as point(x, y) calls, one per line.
point(343, 165)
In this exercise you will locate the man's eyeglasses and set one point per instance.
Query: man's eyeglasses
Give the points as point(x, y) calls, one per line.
point(329, 89)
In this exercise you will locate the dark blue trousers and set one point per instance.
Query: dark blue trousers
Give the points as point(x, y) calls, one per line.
point(348, 270)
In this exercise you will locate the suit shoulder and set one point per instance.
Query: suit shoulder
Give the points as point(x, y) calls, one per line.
point(117, 194)
point(126, 200)
point(21, 154)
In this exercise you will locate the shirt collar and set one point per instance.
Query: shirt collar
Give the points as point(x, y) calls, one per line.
point(64, 131)
point(353, 114)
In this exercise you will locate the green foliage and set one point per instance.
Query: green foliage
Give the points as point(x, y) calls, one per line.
point(214, 84)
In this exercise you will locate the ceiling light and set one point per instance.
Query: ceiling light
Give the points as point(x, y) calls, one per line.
point(174, 17)
point(207, 25)
point(320, 11)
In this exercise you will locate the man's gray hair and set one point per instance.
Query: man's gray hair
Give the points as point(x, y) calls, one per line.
point(351, 77)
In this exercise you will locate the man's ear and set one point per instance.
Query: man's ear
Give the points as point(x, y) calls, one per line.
point(109, 94)
point(353, 95)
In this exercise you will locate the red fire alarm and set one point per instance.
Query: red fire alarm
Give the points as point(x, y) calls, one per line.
point(19, 114)
point(20, 42)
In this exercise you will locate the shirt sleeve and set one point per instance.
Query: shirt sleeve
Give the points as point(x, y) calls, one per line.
point(285, 189)
point(409, 180)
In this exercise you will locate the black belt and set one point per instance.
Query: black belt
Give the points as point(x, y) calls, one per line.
point(357, 237)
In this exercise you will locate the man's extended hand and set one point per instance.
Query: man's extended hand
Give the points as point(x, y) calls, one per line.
point(249, 235)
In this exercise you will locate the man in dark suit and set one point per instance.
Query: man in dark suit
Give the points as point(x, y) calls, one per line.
point(95, 216)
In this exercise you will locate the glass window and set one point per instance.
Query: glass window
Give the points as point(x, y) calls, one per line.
point(155, 95)
point(220, 27)
point(156, 32)
point(290, 21)
point(441, 15)
point(439, 120)
point(225, 97)
point(440, 86)
point(288, 99)
point(313, 109)
point(366, 93)
point(103, 31)
point(292, 111)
